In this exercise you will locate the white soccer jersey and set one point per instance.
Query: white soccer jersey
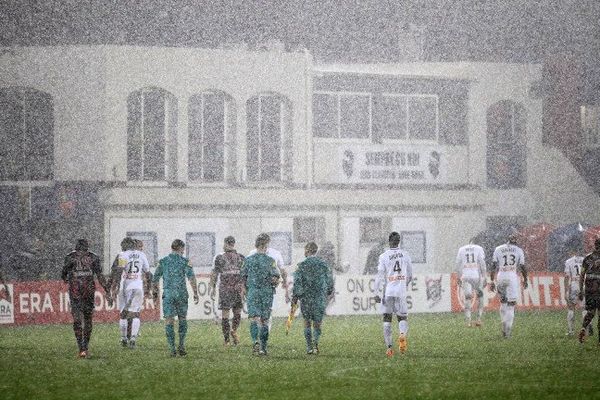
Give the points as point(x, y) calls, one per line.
point(573, 270)
point(470, 262)
point(508, 258)
point(134, 263)
point(394, 272)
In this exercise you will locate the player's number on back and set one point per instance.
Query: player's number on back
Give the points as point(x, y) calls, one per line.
point(509, 260)
point(397, 267)
point(470, 258)
point(131, 265)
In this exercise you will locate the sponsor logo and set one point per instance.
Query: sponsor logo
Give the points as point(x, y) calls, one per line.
point(434, 290)
point(7, 309)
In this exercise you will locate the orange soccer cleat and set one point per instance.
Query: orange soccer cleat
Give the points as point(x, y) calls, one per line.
point(402, 343)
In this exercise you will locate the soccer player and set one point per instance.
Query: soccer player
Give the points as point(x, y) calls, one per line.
point(590, 279)
point(276, 255)
point(174, 268)
point(134, 273)
point(78, 272)
point(572, 271)
point(313, 284)
point(470, 267)
point(394, 273)
point(506, 260)
point(231, 289)
point(261, 277)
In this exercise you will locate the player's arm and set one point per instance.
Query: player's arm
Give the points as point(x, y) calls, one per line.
point(379, 280)
point(276, 276)
point(584, 268)
point(493, 272)
point(192, 278)
point(155, 279)
point(97, 270)
point(458, 268)
point(116, 271)
point(214, 274)
point(523, 269)
point(298, 286)
point(66, 270)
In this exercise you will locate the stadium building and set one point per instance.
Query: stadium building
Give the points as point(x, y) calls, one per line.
point(198, 144)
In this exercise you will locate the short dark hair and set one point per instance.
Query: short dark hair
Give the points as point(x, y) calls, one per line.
point(311, 247)
point(229, 240)
point(262, 240)
point(394, 238)
point(177, 244)
point(513, 238)
point(82, 245)
point(127, 243)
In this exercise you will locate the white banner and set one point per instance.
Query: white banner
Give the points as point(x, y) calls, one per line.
point(386, 164)
point(353, 296)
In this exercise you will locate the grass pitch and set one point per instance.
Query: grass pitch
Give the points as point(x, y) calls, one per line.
point(445, 359)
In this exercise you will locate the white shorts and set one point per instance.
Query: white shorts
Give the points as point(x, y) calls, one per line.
point(131, 300)
point(573, 298)
point(394, 305)
point(469, 285)
point(508, 289)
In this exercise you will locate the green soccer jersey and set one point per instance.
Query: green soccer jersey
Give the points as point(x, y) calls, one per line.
point(258, 271)
point(313, 281)
point(174, 269)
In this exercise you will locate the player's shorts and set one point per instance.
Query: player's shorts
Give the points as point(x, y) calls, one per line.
point(313, 311)
point(230, 299)
point(508, 289)
point(175, 305)
point(259, 303)
point(394, 305)
point(592, 303)
point(470, 285)
point(131, 300)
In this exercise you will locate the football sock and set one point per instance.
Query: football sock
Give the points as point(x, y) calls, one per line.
point(225, 328)
point(135, 327)
point(170, 331)
point(503, 316)
point(468, 310)
point(387, 333)
point(403, 327)
point(254, 331)
point(87, 331)
point(317, 334)
point(123, 328)
point(570, 319)
point(264, 336)
point(182, 330)
point(270, 322)
point(480, 307)
point(510, 311)
point(308, 337)
point(587, 319)
point(129, 327)
point(77, 328)
point(235, 322)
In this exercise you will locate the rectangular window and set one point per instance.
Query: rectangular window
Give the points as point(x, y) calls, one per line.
point(355, 116)
point(153, 103)
point(422, 118)
point(201, 249)
point(150, 245)
point(309, 229)
point(325, 115)
point(389, 117)
point(214, 136)
point(413, 242)
point(590, 125)
point(282, 241)
point(371, 230)
point(270, 140)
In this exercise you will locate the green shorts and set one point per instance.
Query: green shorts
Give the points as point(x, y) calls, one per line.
point(259, 303)
point(312, 311)
point(175, 305)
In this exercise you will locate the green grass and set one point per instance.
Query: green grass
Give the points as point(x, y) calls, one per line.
point(444, 360)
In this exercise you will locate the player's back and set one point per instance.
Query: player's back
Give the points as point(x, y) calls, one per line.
point(174, 269)
point(135, 264)
point(470, 258)
point(573, 269)
point(508, 257)
point(313, 278)
point(79, 270)
point(228, 264)
point(258, 269)
point(591, 264)
point(396, 267)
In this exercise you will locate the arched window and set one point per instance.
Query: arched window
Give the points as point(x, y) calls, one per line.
point(151, 135)
point(211, 120)
point(26, 135)
point(506, 147)
point(268, 138)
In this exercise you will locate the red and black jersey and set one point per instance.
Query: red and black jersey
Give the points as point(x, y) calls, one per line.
point(78, 271)
point(591, 270)
point(228, 265)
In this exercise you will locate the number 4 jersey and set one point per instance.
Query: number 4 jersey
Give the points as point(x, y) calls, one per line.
point(395, 272)
point(134, 264)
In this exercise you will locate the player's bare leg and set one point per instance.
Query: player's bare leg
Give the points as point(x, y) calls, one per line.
point(387, 334)
point(225, 328)
point(235, 324)
point(402, 337)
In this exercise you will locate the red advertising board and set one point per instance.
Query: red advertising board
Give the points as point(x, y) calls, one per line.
point(545, 292)
point(47, 302)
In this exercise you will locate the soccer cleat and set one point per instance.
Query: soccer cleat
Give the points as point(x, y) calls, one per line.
point(590, 331)
point(132, 344)
point(315, 348)
point(262, 352)
point(402, 343)
point(478, 324)
point(255, 348)
point(182, 352)
point(173, 353)
point(226, 343)
point(581, 336)
point(83, 354)
point(469, 324)
point(309, 350)
point(235, 337)
point(389, 352)
point(124, 342)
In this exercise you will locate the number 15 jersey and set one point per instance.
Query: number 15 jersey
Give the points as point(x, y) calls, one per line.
point(394, 271)
point(134, 264)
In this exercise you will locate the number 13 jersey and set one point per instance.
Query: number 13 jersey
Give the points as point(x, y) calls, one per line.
point(507, 258)
point(394, 271)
